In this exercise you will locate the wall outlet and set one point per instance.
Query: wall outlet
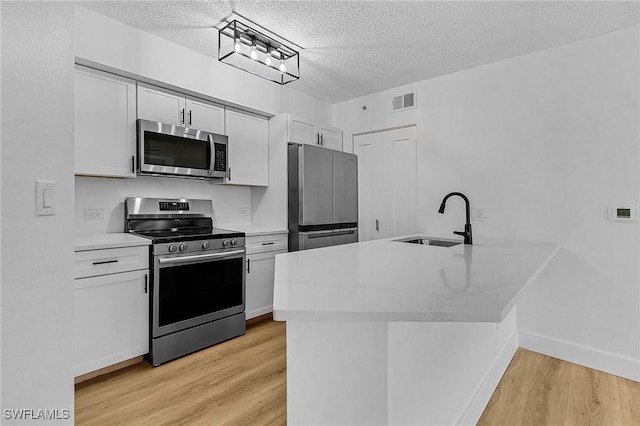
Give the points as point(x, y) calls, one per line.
point(478, 214)
point(93, 214)
point(244, 211)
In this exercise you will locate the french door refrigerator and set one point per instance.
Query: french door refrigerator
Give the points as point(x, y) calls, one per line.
point(323, 197)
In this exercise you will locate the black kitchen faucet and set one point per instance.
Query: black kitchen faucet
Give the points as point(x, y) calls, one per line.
point(468, 239)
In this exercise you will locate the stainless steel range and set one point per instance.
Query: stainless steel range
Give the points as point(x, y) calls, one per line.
point(197, 275)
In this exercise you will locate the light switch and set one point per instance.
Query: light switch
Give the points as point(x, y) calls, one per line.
point(45, 198)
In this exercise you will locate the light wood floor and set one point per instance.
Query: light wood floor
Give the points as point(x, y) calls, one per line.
point(243, 381)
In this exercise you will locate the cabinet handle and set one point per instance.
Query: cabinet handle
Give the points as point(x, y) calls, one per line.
point(268, 244)
point(104, 262)
point(190, 117)
point(182, 121)
point(248, 266)
point(318, 139)
point(146, 280)
point(229, 177)
point(321, 139)
point(133, 164)
point(377, 225)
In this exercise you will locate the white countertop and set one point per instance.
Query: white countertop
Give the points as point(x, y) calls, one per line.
point(256, 230)
point(386, 280)
point(105, 241)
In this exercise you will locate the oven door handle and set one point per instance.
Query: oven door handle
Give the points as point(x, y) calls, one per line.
point(197, 258)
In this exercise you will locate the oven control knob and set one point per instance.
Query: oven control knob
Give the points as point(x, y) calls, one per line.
point(234, 242)
point(182, 247)
point(173, 248)
point(205, 244)
point(225, 243)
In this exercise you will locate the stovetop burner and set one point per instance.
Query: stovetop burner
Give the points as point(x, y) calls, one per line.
point(174, 220)
point(176, 235)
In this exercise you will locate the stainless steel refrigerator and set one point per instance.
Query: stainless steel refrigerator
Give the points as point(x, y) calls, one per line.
point(323, 197)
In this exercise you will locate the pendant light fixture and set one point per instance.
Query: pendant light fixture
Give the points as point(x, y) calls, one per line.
point(266, 56)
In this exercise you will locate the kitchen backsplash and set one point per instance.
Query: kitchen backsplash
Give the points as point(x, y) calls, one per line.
point(99, 202)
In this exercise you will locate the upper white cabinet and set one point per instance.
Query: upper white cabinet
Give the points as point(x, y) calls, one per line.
point(105, 124)
point(303, 130)
point(170, 107)
point(248, 148)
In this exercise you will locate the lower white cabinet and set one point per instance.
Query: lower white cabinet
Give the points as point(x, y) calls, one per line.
point(111, 314)
point(260, 267)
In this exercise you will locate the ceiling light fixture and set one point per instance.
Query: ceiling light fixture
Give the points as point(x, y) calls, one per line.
point(250, 50)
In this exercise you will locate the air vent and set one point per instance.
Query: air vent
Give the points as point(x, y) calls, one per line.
point(404, 102)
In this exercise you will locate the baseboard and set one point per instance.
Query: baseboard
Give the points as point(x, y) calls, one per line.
point(617, 365)
point(108, 369)
point(264, 317)
point(483, 394)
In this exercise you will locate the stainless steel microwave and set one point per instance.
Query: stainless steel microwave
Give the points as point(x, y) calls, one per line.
point(166, 149)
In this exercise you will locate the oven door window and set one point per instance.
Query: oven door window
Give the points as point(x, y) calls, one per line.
point(175, 151)
point(189, 291)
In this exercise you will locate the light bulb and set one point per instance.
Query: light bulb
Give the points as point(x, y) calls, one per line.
point(267, 60)
point(237, 46)
point(283, 67)
point(254, 52)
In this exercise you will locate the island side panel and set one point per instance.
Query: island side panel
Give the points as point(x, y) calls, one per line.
point(337, 373)
point(445, 373)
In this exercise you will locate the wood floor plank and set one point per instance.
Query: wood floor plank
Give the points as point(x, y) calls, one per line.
point(243, 382)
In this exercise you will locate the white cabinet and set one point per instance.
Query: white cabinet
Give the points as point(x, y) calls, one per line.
point(386, 183)
point(248, 148)
point(104, 124)
point(303, 130)
point(111, 307)
point(171, 107)
point(261, 260)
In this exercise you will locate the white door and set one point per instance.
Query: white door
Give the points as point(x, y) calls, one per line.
point(302, 130)
point(248, 148)
point(259, 284)
point(111, 320)
point(330, 137)
point(161, 105)
point(105, 124)
point(386, 183)
point(205, 116)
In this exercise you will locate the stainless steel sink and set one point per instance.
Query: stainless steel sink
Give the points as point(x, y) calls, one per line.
point(429, 241)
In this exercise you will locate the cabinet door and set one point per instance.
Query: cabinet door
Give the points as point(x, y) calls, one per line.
point(302, 130)
point(386, 183)
point(248, 148)
point(330, 137)
point(161, 105)
point(105, 124)
point(259, 292)
point(111, 320)
point(205, 116)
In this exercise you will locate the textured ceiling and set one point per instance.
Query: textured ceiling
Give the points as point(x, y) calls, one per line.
point(353, 48)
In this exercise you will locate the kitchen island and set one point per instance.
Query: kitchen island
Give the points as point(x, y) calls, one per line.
point(389, 332)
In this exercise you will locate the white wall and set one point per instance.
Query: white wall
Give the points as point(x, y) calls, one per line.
point(544, 142)
point(113, 46)
point(37, 251)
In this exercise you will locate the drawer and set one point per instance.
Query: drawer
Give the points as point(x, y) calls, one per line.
point(266, 243)
point(92, 263)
